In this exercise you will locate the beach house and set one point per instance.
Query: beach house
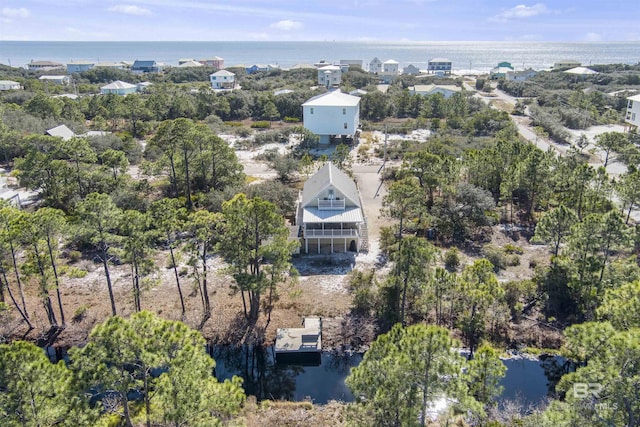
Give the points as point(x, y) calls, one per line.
point(61, 131)
point(119, 88)
point(330, 213)
point(330, 114)
point(9, 85)
point(79, 66)
point(223, 80)
point(56, 80)
point(446, 90)
point(439, 66)
point(353, 64)
point(633, 111)
point(375, 66)
point(43, 65)
point(390, 71)
point(329, 76)
point(566, 63)
point(140, 67)
point(215, 62)
point(411, 70)
point(500, 71)
point(520, 76)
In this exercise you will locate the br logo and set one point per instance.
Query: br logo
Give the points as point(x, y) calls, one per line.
point(585, 390)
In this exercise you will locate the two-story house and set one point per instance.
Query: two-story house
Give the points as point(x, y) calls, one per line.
point(331, 113)
point(140, 67)
point(119, 88)
point(79, 66)
point(215, 62)
point(330, 213)
point(633, 111)
point(223, 79)
point(375, 66)
point(439, 66)
point(329, 76)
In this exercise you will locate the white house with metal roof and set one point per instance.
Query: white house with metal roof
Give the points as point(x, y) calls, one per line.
point(9, 85)
point(330, 76)
point(439, 66)
point(56, 80)
point(633, 111)
point(61, 131)
point(332, 113)
point(119, 88)
point(330, 213)
point(79, 66)
point(375, 66)
point(223, 79)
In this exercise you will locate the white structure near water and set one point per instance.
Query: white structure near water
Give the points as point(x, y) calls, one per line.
point(223, 80)
point(330, 213)
point(292, 343)
point(332, 113)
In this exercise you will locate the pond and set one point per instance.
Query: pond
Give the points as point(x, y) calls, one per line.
point(528, 380)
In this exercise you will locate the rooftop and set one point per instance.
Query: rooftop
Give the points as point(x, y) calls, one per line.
point(333, 98)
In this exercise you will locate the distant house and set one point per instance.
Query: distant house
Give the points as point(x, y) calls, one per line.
point(411, 70)
point(389, 71)
point(375, 66)
point(520, 76)
point(61, 132)
point(119, 88)
point(79, 66)
point(358, 92)
point(581, 71)
point(223, 79)
point(354, 64)
point(303, 66)
point(215, 62)
point(633, 111)
point(140, 67)
point(112, 65)
point(9, 85)
point(143, 86)
point(332, 113)
point(439, 66)
point(190, 64)
point(260, 67)
point(500, 71)
point(282, 92)
point(426, 90)
point(566, 63)
point(56, 80)
point(330, 213)
point(43, 65)
point(329, 76)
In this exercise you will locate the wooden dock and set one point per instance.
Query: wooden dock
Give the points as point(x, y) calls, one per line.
point(300, 345)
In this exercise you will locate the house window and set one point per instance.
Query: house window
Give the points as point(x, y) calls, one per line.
point(311, 110)
point(633, 117)
point(345, 126)
point(630, 104)
point(344, 111)
point(330, 194)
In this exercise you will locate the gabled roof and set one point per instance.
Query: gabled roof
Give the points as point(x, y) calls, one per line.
point(8, 82)
point(144, 64)
point(53, 77)
point(190, 63)
point(119, 85)
point(45, 63)
point(62, 132)
point(439, 60)
point(333, 98)
point(430, 88)
point(330, 68)
point(329, 174)
point(223, 73)
point(390, 61)
point(81, 63)
point(375, 60)
point(634, 98)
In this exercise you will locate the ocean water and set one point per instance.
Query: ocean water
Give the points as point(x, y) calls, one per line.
point(464, 55)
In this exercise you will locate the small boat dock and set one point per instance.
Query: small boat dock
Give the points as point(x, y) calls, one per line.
point(300, 345)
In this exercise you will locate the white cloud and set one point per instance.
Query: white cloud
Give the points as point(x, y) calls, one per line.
point(15, 13)
point(521, 11)
point(129, 9)
point(287, 25)
point(593, 37)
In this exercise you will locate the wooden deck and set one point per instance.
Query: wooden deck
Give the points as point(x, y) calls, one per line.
point(300, 341)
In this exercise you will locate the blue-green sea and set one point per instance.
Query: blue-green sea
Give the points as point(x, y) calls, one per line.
point(464, 55)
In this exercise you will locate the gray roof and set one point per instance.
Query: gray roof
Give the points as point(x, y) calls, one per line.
point(329, 174)
point(62, 132)
point(334, 98)
point(314, 215)
point(118, 84)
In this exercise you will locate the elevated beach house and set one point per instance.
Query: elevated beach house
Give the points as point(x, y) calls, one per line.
point(329, 76)
point(330, 213)
point(441, 66)
point(140, 67)
point(79, 66)
point(330, 114)
point(375, 66)
point(633, 111)
point(223, 79)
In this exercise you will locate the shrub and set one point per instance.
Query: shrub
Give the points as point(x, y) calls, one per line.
point(452, 259)
point(80, 313)
point(513, 249)
point(495, 256)
point(77, 273)
point(291, 120)
point(261, 125)
point(234, 124)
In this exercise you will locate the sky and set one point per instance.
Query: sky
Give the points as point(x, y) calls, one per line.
point(319, 20)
